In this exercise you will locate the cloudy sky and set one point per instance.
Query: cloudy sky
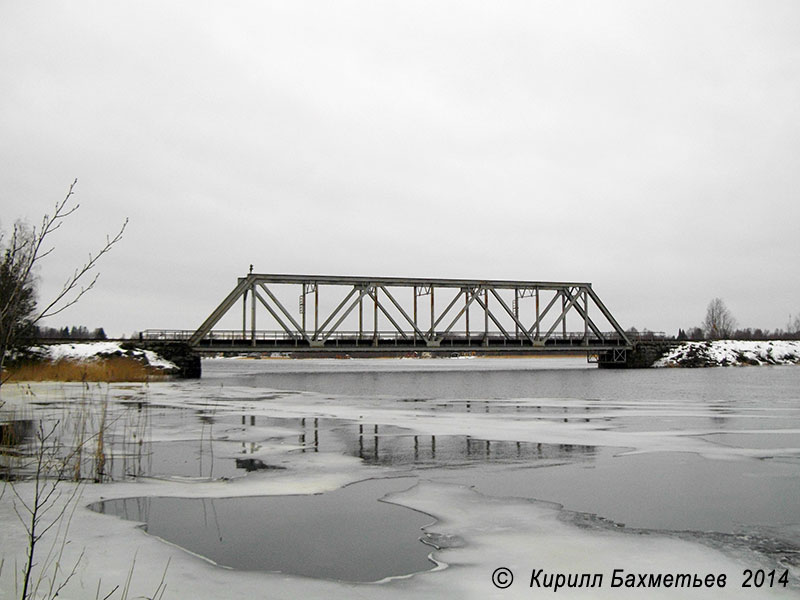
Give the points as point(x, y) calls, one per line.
point(651, 148)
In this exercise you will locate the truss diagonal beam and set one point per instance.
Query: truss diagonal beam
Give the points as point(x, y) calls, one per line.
point(512, 315)
point(467, 293)
point(374, 295)
point(541, 316)
point(292, 334)
point(432, 331)
point(403, 312)
point(492, 317)
point(333, 314)
point(563, 314)
point(288, 315)
point(362, 293)
point(241, 287)
point(586, 318)
point(607, 314)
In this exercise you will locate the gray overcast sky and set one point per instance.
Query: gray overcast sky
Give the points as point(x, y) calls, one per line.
point(651, 148)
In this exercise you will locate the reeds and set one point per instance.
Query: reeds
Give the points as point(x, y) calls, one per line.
point(114, 369)
point(90, 431)
point(55, 448)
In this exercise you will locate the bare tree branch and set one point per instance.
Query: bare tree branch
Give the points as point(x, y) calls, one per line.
point(28, 247)
point(719, 322)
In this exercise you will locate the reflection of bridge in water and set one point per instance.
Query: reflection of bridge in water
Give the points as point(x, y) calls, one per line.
point(393, 446)
point(366, 316)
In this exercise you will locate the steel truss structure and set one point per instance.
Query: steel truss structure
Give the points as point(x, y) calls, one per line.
point(398, 300)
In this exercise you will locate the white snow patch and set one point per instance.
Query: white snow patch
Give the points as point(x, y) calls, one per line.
point(84, 351)
point(732, 353)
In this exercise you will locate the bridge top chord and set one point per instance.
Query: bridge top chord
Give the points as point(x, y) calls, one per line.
point(409, 281)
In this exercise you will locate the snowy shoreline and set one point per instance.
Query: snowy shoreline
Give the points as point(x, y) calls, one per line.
point(718, 353)
point(731, 353)
point(91, 351)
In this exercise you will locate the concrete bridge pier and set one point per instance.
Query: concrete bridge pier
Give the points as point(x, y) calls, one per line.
point(641, 356)
point(180, 353)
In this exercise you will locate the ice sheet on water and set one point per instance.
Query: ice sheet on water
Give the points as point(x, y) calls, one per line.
point(496, 532)
point(518, 534)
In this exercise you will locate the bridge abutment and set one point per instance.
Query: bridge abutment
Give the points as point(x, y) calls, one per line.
point(180, 353)
point(642, 356)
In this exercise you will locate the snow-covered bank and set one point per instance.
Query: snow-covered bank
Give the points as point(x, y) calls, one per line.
point(725, 353)
point(92, 351)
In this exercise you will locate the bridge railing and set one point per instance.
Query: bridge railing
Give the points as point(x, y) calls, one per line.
point(278, 336)
point(646, 336)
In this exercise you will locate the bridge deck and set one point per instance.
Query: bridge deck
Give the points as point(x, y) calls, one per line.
point(265, 341)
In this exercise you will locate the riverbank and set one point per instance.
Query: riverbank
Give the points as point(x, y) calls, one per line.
point(88, 361)
point(730, 353)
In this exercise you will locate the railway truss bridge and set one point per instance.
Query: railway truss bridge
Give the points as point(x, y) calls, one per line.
point(378, 316)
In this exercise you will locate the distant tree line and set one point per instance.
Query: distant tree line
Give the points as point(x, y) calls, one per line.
point(78, 332)
point(747, 333)
point(720, 324)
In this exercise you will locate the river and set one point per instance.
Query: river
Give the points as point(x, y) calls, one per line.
point(331, 473)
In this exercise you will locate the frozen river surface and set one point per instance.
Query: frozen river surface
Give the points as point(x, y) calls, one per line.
point(530, 469)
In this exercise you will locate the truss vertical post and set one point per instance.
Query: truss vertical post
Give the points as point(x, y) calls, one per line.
point(516, 312)
point(564, 320)
point(485, 316)
point(253, 315)
point(466, 311)
point(303, 306)
point(433, 315)
point(375, 318)
point(360, 316)
point(585, 317)
point(316, 310)
point(244, 315)
point(415, 307)
point(537, 314)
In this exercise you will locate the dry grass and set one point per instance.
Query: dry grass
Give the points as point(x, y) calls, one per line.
point(106, 370)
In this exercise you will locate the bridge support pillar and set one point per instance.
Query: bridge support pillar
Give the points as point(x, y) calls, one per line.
point(641, 356)
point(180, 353)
